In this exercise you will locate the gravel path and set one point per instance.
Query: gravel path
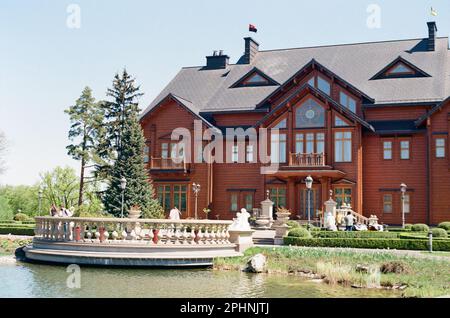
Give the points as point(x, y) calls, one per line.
point(15, 237)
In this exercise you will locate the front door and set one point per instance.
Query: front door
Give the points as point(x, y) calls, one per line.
point(309, 206)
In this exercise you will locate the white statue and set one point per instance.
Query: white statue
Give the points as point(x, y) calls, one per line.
point(330, 222)
point(240, 223)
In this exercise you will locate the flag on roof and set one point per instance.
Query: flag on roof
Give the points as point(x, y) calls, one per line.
point(252, 28)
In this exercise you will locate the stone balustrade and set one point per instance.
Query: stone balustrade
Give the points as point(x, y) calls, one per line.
point(136, 231)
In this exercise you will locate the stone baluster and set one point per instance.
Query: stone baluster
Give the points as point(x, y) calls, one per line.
point(212, 234)
point(150, 234)
point(206, 235)
point(199, 235)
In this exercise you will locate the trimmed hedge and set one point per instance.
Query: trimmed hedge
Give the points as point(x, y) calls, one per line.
point(299, 232)
point(292, 224)
point(17, 225)
point(17, 230)
point(399, 244)
point(7, 221)
point(438, 232)
point(419, 227)
point(444, 225)
point(353, 234)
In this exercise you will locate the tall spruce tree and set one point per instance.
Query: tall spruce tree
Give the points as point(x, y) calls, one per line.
point(122, 150)
point(130, 165)
point(86, 117)
point(123, 105)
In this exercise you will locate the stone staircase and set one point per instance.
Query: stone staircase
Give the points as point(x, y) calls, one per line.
point(263, 237)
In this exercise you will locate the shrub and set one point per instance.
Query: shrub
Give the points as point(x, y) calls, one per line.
point(437, 232)
point(17, 230)
point(419, 227)
point(400, 244)
point(353, 234)
point(292, 224)
point(21, 217)
point(394, 267)
point(408, 227)
point(444, 225)
point(299, 232)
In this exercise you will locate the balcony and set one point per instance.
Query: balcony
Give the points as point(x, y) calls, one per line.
point(306, 160)
point(167, 164)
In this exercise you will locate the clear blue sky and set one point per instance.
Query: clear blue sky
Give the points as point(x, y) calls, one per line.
point(44, 65)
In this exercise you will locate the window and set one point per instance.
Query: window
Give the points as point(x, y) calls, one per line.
point(323, 85)
point(180, 197)
point(406, 204)
point(249, 153)
point(249, 202)
point(338, 122)
point(164, 197)
point(199, 152)
point(146, 154)
point(309, 143)
point(278, 196)
point(320, 143)
point(387, 150)
point(299, 143)
point(165, 150)
point(404, 149)
point(278, 148)
point(343, 146)
point(347, 101)
point(343, 195)
point(234, 202)
point(255, 79)
point(281, 125)
point(400, 68)
point(387, 203)
point(440, 148)
point(235, 153)
point(309, 114)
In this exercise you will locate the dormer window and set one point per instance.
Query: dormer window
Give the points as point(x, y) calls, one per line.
point(254, 78)
point(400, 68)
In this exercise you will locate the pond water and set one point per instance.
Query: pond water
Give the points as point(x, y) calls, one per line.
point(35, 280)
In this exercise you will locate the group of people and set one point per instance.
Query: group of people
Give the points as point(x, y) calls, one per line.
point(61, 212)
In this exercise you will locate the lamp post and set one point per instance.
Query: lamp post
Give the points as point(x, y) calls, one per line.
point(403, 188)
point(308, 182)
point(40, 192)
point(123, 185)
point(196, 189)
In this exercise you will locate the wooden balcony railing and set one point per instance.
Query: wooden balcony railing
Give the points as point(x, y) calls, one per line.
point(167, 164)
point(307, 159)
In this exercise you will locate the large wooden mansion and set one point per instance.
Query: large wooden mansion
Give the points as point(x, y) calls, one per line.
point(360, 119)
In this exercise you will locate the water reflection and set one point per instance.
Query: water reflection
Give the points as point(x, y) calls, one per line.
point(33, 280)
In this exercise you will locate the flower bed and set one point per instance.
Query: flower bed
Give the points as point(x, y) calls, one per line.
point(353, 234)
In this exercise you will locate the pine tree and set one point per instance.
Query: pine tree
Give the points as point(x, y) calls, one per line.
point(85, 117)
point(130, 165)
point(124, 104)
point(121, 148)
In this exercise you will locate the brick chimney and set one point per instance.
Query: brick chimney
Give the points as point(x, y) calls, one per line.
point(251, 49)
point(217, 61)
point(432, 29)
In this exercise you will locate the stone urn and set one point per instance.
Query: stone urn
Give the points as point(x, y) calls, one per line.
point(134, 212)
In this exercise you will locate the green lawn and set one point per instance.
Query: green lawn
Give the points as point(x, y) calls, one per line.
point(423, 277)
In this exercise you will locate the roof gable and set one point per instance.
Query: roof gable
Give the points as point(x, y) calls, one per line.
point(399, 68)
point(303, 91)
point(254, 78)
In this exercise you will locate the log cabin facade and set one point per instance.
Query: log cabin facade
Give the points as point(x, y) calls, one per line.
point(360, 119)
